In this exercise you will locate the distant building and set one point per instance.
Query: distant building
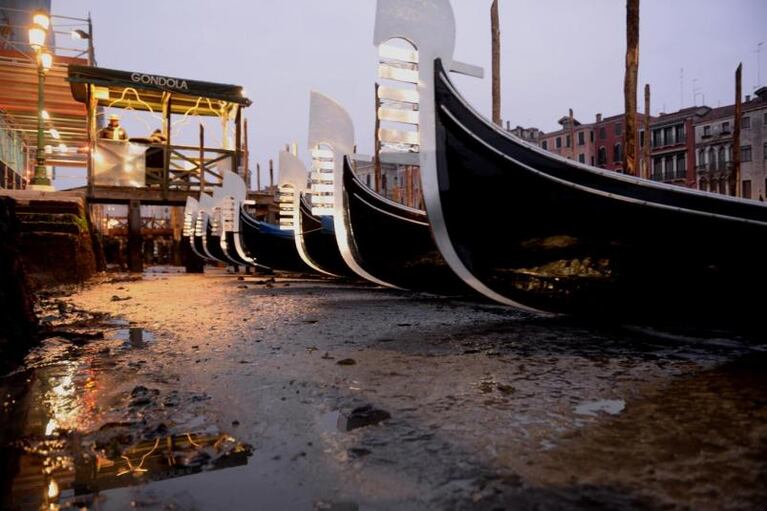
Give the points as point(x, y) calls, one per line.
point(714, 148)
point(672, 152)
point(610, 140)
point(532, 135)
point(559, 142)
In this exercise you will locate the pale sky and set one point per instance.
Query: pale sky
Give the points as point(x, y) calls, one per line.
point(556, 54)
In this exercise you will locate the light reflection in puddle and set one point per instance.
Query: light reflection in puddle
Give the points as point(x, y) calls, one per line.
point(594, 408)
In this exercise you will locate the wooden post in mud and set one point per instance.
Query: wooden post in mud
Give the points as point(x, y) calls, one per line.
point(271, 175)
point(258, 177)
point(496, 50)
point(135, 256)
point(630, 87)
point(377, 145)
point(735, 189)
point(646, 131)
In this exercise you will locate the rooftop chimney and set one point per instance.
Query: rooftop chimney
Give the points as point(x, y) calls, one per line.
point(748, 98)
point(599, 117)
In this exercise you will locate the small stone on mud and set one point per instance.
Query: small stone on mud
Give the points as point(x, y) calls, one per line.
point(242, 286)
point(327, 356)
point(240, 278)
point(346, 362)
point(358, 452)
point(235, 423)
point(116, 298)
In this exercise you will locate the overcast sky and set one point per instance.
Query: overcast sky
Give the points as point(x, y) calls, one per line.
point(557, 54)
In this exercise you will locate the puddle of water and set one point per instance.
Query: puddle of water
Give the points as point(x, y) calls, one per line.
point(594, 408)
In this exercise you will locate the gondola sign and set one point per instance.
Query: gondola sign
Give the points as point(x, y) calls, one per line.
point(160, 81)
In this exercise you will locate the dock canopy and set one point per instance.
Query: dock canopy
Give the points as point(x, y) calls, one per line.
point(112, 88)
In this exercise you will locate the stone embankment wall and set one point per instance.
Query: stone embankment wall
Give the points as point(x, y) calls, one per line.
point(18, 323)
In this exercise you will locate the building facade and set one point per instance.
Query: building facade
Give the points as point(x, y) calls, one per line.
point(610, 140)
point(672, 150)
point(714, 148)
point(532, 135)
point(559, 142)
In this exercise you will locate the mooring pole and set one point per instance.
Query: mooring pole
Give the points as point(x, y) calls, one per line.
point(630, 86)
point(202, 158)
point(246, 154)
point(496, 50)
point(735, 190)
point(271, 175)
point(135, 256)
point(572, 134)
point(258, 177)
point(647, 137)
point(377, 145)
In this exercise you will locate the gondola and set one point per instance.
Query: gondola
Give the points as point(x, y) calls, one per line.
point(269, 245)
point(314, 236)
point(233, 196)
point(531, 229)
point(202, 230)
point(394, 241)
point(191, 212)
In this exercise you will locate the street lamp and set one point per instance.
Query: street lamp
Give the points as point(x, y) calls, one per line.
point(38, 33)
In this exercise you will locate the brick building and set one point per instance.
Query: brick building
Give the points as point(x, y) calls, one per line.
point(610, 139)
point(532, 135)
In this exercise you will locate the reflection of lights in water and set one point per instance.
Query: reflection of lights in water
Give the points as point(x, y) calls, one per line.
point(53, 489)
point(137, 471)
point(51, 427)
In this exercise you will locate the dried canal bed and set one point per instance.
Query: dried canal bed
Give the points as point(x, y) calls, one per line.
point(210, 392)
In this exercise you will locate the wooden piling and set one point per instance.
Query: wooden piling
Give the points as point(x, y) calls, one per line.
point(246, 154)
point(258, 177)
point(735, 190)
point(496, 50)
point(202, 158)
point(271, 175)
point(377, 144)
point(647, 137)
point(572, 134)
point(135, 252)
point(630, 87)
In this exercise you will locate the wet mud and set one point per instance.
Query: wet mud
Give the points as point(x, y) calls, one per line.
point(218, 392)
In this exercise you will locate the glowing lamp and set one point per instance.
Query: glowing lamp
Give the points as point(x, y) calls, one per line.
point(46, 60)
point(36, 37)
point(54, 133)
point(46, 115)
point(42, 19)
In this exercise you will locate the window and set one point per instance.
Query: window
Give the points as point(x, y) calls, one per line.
point(747, 188)
point(582, 158)
point(764, 151)
point(745, 153)
point(618, 129)
point(668, 171)
point(679, 133)
point(617, 153)
point(706, 131)
point(545, 145)
point(559, 142)
point(602, 133)
point(641, 138)
point(701, 157)
point(657, 138)
point(668, 136)
point(657, 169)
point(681, 166)
point(725, 128)
point(567, 141)
point(581, 138)
point(602, 155)
point(592, 158)
point(764, 121)
point(367, 179)
point(591, 133)
point(711, 158)
point(745, 123)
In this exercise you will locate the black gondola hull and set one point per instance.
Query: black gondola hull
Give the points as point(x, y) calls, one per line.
point(552, 235)
point(269, 247)
point(319, 242)
point(394, 242)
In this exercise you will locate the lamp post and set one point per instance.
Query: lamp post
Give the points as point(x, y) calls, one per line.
point(38, 33)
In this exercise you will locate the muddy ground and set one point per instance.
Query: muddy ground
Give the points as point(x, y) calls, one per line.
point(222, 392)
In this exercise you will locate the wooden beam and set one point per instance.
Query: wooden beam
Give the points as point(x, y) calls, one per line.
point(735, 190)
point(572, 134)
point(246, 155)
point(630, 87)
point(258, 177)
point(377, 144)
point(202, 158)
point(496, 56)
